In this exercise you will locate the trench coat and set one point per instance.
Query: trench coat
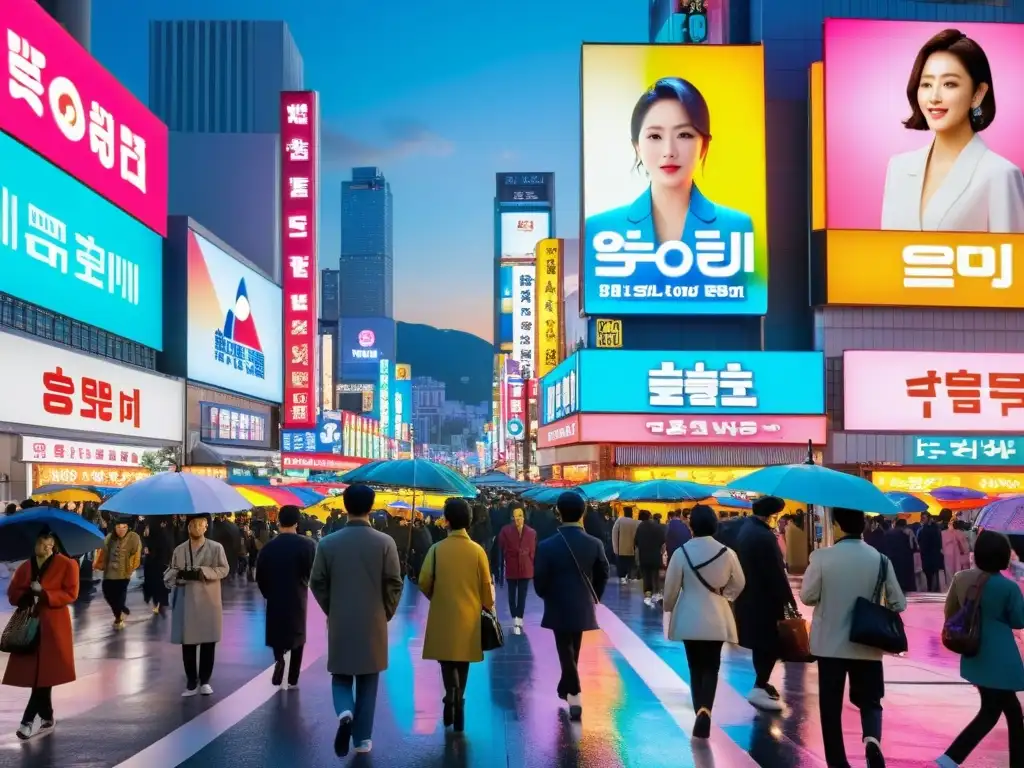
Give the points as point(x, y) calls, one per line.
point(763, 601)
point(53, 660)
point(519, 551)
point(197, 613)
point(282, 574)
point(458, 590)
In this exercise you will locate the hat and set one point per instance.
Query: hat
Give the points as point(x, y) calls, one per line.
point(197, 516)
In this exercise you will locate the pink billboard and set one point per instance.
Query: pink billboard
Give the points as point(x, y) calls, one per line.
point(949, 392)
point(62, 103)
point(562, 432)
point(649, 428)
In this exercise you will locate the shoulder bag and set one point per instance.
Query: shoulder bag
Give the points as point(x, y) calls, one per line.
point(696, 569)
point(21, 635)
point(579, 570)
point(491, 635)
point(874, 623)
point(961, 632)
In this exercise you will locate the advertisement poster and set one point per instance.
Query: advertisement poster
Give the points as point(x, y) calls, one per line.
point(716, 263)
point(364, 342)
point(226, 425)
point(523, 317)
point(505, 305)
point(559, 390)
point(520, 233)
point(234, 324)
point(548, 320)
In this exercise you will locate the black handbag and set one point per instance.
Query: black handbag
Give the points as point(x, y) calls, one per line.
point(876, 624)
point(491, 635)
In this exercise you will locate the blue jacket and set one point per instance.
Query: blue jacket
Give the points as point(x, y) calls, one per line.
point(998, 663)
point(678, 534)
point(568, 602)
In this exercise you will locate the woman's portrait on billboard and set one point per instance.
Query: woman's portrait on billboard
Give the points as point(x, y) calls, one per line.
point(955, 183)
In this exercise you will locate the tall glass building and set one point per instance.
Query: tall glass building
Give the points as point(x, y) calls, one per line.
point(367, 245)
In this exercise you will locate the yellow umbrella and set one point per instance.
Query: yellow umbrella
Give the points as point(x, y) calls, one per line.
point(256, 498)
point(69, 494)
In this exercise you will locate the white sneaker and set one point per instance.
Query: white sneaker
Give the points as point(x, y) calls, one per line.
point(623, 581)
point(649, 602)
point(189, 692)
point(206, 690)
point(761, 699)
point(575, 706)
point(516, 629)
point(24, 732)
point(364, 746)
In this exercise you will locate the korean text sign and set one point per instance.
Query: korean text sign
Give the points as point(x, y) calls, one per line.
point(524, 316)
point(58, 388)
point(960, 246)
point(53, 451)
point(718, 263)
point(386, 396)
point(559, 391)
point(62, 103)
point(548, 299)
point(952, 451)
point(65, 248)
point(628, 381)
point(234, 323)
point(300, 179)
point(906, 391)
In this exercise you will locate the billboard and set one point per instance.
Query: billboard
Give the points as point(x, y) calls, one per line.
point(523, 317)
point(892, 239)
point(524, 187)
point(816, 110)
point(234, 324)
point(961, 450)
point(326, 438)
point(505, 320)
point(905, 391)
point(68, 250)
point(520, 233)
point(364, 342)
point(402, 387)
point(300, 232)
point(559, 391)
point(50, 450)
point(548, 331)
point(385, 396)
point(711, 257)
point(227, 425)
point(327, 372)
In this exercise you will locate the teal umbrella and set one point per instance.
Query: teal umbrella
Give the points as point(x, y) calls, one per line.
point(356, 475)
point(666, 491)
point(814, 484)
point(604, 490)
point(417, 474)
point(550, 495)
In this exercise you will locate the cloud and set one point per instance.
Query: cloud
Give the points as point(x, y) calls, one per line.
point(399, 139)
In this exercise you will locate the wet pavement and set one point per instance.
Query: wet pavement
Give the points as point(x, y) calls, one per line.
point(125, 709)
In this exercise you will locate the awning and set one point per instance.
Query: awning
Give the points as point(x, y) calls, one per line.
point(220, 455)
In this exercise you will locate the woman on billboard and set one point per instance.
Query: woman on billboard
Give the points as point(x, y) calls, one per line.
point(956, 183)
point(671, 132)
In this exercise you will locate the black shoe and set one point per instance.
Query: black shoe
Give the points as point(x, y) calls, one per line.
point(125, 611)
point(278, 672)
point(873, 753)
point(772, 691)
point(448, 714)
point(459, 713)
point(702, 726)
point(343, 737)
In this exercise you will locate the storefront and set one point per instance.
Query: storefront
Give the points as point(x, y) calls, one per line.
point(227, 429)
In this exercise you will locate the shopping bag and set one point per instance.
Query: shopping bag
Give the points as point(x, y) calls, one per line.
point(794, 638)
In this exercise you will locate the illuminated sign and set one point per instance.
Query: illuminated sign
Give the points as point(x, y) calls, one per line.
point(53, 451)
point(524, 317)
point(609, 334)
point(548, 300)
point(922, 481)
point(963, 450)
point(520, 233)
point(384, 389)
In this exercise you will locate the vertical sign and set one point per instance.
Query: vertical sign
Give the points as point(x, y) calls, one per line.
point(402, 385)
point(548, 331)
point(384, 389)
point(300, 181)
point(327, 371)
point(523, 317)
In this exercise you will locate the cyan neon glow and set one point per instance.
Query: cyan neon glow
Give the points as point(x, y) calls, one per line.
point(963, 451)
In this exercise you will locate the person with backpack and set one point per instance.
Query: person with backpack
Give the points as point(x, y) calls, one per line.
point(985, 605)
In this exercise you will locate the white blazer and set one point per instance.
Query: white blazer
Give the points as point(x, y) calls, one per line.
point(983, 192)
point(691, 611)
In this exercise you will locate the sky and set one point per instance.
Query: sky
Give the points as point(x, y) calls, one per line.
point(441, 95)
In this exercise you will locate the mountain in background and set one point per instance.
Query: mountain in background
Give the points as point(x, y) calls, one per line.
point(464, 362)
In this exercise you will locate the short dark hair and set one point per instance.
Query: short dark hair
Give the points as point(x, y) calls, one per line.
point(571, 507)
point(767, 506)
point(992, 552)
point(358, 499)
point(973, 57)
point(673, 513)
point(684, 93)
point(850, 521)
point(644, 516)
point(703, 521)
point(289, 516)
point(627, 511)
point(901, 523)
point(457, 513)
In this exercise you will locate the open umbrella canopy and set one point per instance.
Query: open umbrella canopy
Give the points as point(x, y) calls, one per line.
point(725, 499)
point(814, 484)
point(18, 532)
point(65, 493)
point(665, 490)
point(906, 502)
point(550, 495)
point(604, 490)
point(177, 493)
point(955, 493)
point(278, 495)
point(417, 474)
point(496, 480)
point(1004, 515)
point(358, 474)
point(399, 505)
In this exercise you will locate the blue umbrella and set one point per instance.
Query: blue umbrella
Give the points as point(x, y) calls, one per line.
point(665, 491)
point(906, 502)
point(813, 484)
point(604, 490)
point(550, 495)
point(955, 493)
point(726, 499)
point(176, 493)
point(399, 505)
point(18, 532)
point(418, 474)
point(356, 475)
point(497, 480)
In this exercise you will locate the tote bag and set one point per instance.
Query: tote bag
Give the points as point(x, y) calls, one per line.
point(874, 623)
point(21, 633)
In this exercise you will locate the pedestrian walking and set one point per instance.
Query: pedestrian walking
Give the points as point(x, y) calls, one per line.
point(956, 555)
point(702, 579)
point(649, 542)
point(421, 543)
point(677, 533)
point(117, 560)
point(197, 568)
point(158, 545)
point(570, 574)
point(456, 578)
point(517, 544)
point(48, 582)
point(357, 580)
point(282, 574)
point(623, 544)
point(929, 538)
point(836, 578)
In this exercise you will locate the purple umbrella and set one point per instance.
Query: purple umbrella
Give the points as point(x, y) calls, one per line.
point(955, 493)
point(1003, 516)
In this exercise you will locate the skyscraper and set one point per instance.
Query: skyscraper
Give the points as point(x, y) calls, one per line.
point(366, 264)
point(217, 85)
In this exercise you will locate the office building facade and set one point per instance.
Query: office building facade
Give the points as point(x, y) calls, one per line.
point(367, 245)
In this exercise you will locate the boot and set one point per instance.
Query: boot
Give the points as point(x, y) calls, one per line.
point(449, 707)
point(459, 713)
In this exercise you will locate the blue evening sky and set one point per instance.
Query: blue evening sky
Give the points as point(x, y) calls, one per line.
point(441, 95)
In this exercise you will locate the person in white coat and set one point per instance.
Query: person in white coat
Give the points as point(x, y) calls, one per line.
point(703, 577)
point(836, 577)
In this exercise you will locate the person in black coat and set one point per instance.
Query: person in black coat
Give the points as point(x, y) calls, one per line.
point(763, 602)
point(544, 522)
point(570, 572)
point(158, 544)
point(650, 538)
point(282, 574)
point(898, 546)
point(421, 543)
point(228, 535)
point(929, 538)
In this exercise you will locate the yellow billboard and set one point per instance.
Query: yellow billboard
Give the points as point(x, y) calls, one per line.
point(548, 306)
point(993, 483)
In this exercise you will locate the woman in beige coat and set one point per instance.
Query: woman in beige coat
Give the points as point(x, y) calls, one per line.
point(456, 578)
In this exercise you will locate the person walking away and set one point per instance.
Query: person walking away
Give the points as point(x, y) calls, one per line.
point(226, 533)
point(437, 532)
point(158, 544)
point(117, 559)
point(49, 582)
point(875, 535)
point(398, 529)
point(996, 670)
point(649, 541)
point(763, 602)
point(544, 522)
point(282, 574)
point(570, 575)
point(954, 551)
point(500, 516)
point(517, 545)
point(703, 578)
point(197, 568)
point(796, 545)
point(898, 546)
point(482, 533)
point(421, 543)
point(456, 578)
point(677, 533)
point(837, 577)
point(624, 543)
point(929, 538)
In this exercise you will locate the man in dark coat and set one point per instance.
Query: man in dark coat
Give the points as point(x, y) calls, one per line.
point(763, 602)
point(282, 573)
point(228, 535)
point(677, 534)
point(929, 538)
point(569, 574)
point(544, 522)
point(898, 546)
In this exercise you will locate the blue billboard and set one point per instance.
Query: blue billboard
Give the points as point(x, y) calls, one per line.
point(67, 249)
point(326, 438)
point(505, 304)
point(362, 343)
point(401, 408)
point(962, 451)
point(559, 390)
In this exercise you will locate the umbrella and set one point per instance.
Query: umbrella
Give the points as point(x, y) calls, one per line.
point(176, 493)
point(604, 490)
point(278, 495)
point(18, 532)
point(955, 493)
point(496, 480)
point(906, 502)
point(64, 493)
point(726, 499)
point(398, 505)
point(417, 474)
point(357, 475)
point(814, 484)
point(1003, 516)
point(550, 495)
point(665, 490)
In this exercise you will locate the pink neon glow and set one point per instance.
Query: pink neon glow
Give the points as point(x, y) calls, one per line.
point(689, 428)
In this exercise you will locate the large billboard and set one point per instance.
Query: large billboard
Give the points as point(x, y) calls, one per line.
point(520, 232)
point(68, 250)
point(363, 343)
point(63, 104)
point(300, 232)
point(234, 324)
point(675, 223)
point(505, 319)
point(930, 211)
point(906, 391)
point(548, 331)
point(524, 187)
point(227, 425)
point(524, 305)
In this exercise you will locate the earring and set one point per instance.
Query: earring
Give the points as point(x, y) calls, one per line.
point(976, 114)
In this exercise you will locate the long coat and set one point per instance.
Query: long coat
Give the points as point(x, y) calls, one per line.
point(998, 662)
point(458, 589)
point(53, 660)
point(518, 549)
point(763, 601)
point(357, 581)
point(282, 574)
point(197, 613)
point(559, 582)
